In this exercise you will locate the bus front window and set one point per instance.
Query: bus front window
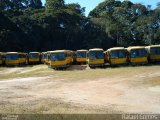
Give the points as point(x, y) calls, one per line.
point(96, 55)
point(33, 55)
point(155, 51)
point(122, 54)
point(142, 53)
point(11, 57)
point(138, 53)
point(114, 54)
point(81, 54)
point(118, 54)
point(58, 57)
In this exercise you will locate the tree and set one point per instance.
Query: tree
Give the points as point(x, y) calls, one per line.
point(5, 4)
point(26, 26)
point(124, 22)
point(17, 4)
point(75, 7)
point(35, 4)
point(158, 5)
point(54, 5)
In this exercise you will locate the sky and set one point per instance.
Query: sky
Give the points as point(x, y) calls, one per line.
point(91, 4)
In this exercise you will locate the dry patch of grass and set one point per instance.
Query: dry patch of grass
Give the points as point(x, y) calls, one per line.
point(130, 76)
point(154, 81)
point(47, 106)
point(43, 70)
point(23, 72)
point(93, 74)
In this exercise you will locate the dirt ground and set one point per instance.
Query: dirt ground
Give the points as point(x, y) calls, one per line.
point(39, 89)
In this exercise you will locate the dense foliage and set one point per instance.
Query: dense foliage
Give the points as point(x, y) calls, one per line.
point(26, 25)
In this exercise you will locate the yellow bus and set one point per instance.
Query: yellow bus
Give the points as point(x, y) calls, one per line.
point(47, 60)
point(153, 53)
point(60, 59)
point(22, 58)
point(137, 55)
point(81, 56)
point(12, 59)
point(34, 58)
point(95, 57)
point(43, 57)
point(69, 56)
point(116, 56)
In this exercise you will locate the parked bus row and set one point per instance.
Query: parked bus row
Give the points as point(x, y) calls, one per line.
point(19, 58)
point(96, 57)
point(119, 55)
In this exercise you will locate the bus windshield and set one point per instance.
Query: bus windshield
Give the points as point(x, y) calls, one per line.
point(45, 56)
point(33, 55)
point(118, 54)
point(138, 53)
point(81, 54)
point(155, 51)
point(11, 56)
point(57, 56)
point(96, 55)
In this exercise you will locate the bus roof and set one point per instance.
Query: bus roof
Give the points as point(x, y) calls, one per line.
point(135, 47)
point(82, 50)
point(58, 51)
point(116, 48)
point(44, 52)
point(11, 52)
point(49, 51)
point(34, 52)
point(152, 46)
point(96, 49)
point(22, 53)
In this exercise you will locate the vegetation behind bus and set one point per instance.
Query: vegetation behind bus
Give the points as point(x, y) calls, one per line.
point(26, 27)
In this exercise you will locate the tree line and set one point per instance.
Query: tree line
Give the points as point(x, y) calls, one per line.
point(26, 25)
